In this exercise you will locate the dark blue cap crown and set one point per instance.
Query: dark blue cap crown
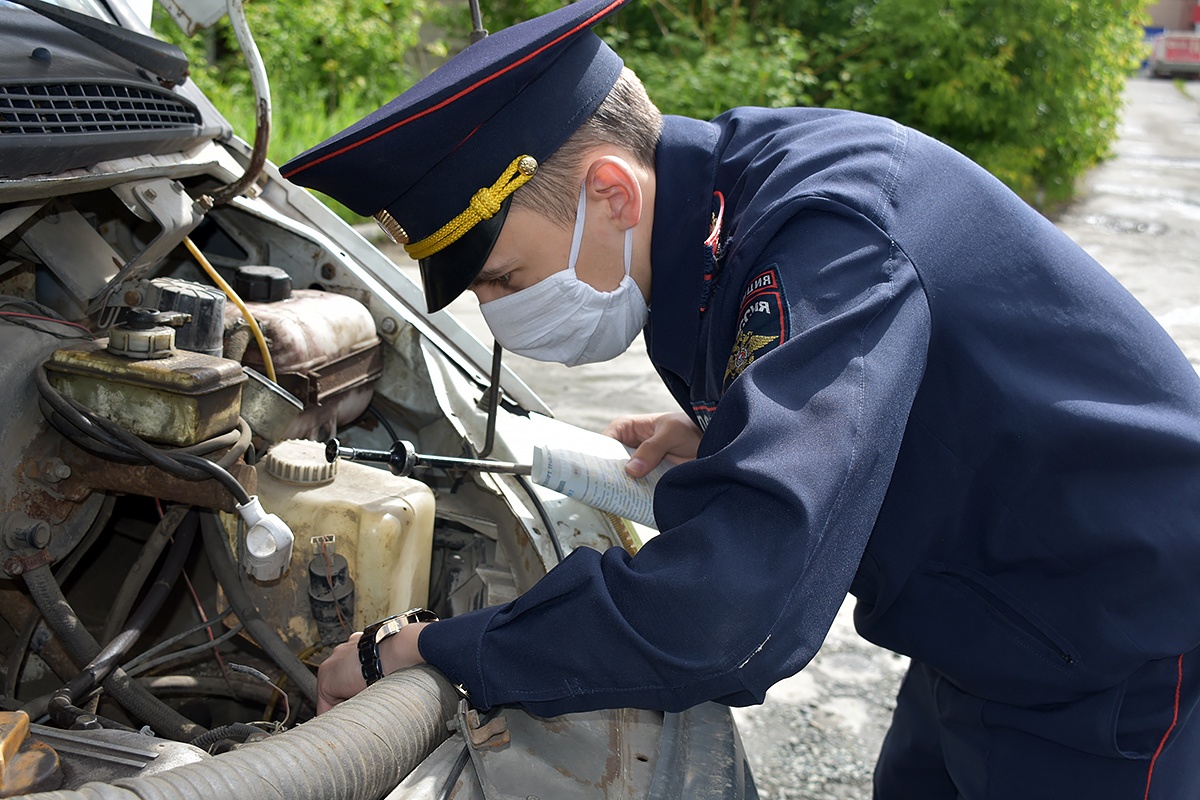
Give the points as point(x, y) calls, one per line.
point(417, 163)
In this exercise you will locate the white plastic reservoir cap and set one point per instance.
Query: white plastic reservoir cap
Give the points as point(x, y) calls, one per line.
point(300, 461)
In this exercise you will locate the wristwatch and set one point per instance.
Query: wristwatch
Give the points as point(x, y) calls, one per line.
point(373, 635)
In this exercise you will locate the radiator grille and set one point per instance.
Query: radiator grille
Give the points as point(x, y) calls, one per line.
point(91, 107)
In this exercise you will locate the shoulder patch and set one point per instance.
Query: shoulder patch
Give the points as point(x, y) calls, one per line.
point(762, 323)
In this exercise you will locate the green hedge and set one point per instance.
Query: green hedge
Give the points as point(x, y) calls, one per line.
point(1031, 89)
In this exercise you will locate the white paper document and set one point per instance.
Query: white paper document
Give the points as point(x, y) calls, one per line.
point(596, 476)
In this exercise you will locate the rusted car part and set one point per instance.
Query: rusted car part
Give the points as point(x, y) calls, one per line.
point(324, 348)
point(358, 750)
point(149, 481)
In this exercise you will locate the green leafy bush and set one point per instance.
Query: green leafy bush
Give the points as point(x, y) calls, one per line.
point(1031, 89)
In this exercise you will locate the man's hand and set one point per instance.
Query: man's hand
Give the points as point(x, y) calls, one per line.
point(671, 435)
point(340, 676)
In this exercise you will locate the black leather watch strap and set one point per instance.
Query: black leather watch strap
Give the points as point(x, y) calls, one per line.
point(373, 635)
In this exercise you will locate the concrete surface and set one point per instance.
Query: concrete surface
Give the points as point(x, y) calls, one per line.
point(817, 735)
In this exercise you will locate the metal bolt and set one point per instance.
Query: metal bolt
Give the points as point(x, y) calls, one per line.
point(151, 195)
point(389, 325)
point(38, 536)
point(328, 272)
point(54, 470)
point(86, 722)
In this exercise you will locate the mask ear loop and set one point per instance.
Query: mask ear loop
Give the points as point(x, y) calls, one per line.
point(577, 236)
point(628, 250)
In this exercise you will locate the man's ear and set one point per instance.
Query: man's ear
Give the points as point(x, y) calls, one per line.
point(613, 181)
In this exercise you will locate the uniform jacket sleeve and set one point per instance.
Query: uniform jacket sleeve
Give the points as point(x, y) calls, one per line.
point(761, 535)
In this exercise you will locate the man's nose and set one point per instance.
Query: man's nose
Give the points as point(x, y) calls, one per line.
point(484, 293)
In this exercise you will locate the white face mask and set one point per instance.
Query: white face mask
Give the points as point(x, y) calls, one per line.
point(561, 318)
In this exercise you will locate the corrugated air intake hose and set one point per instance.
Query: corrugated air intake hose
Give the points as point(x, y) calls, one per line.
point(359, 750)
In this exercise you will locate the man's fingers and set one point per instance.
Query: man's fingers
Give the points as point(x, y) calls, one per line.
point(631, 431)
point(648, 455)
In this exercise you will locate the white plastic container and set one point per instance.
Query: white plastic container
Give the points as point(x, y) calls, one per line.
point(381, 524)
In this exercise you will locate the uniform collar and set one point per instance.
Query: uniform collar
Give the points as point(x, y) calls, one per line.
point(685, 168)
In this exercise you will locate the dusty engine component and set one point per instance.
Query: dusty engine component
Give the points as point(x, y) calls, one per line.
point(204, 305)
point(323, 345)
point(106, 755)
point(179, 398)
point(381, 525)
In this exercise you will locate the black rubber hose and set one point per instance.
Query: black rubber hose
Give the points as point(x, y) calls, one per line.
point(216, 545)
point(359, 750)
point(541, 510)
point(16, 657)
point(127, 595)
point(236, 730)
point(62, 707)
point(48, 597)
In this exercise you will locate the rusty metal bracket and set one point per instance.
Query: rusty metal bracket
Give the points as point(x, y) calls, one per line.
point(16, 566)
point(150, 481)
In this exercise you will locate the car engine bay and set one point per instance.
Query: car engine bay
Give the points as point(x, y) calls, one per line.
point(173, 365)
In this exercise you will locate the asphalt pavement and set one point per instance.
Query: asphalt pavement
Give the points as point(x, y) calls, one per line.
point(817, 735)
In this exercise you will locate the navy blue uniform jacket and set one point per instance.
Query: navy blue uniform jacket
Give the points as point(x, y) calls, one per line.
point(913, 387)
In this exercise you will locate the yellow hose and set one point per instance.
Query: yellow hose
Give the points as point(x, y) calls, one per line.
point(268, 364)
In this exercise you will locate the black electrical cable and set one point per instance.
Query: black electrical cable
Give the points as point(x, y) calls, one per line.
point(455, 770)
point(387, 426)
point(32, 321)
point(118, 443)
point(493, 402)
point(62, 707)
point(541, 510)
point(220, 558)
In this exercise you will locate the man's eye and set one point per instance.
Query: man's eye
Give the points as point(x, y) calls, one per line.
point(502, 280)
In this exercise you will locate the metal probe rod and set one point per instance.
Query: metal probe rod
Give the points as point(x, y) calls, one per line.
point(403, 458)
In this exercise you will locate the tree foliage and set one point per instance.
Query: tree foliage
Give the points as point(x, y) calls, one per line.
point(328, 63)
point(1031, 89)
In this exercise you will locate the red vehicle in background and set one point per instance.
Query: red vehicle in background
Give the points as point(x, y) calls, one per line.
point(1175, 54)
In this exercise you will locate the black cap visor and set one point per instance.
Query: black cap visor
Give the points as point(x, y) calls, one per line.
point(450, 271)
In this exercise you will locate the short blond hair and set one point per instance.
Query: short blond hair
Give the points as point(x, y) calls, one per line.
point(626, 118)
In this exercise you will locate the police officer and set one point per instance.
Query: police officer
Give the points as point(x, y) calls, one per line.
point(896, 380)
